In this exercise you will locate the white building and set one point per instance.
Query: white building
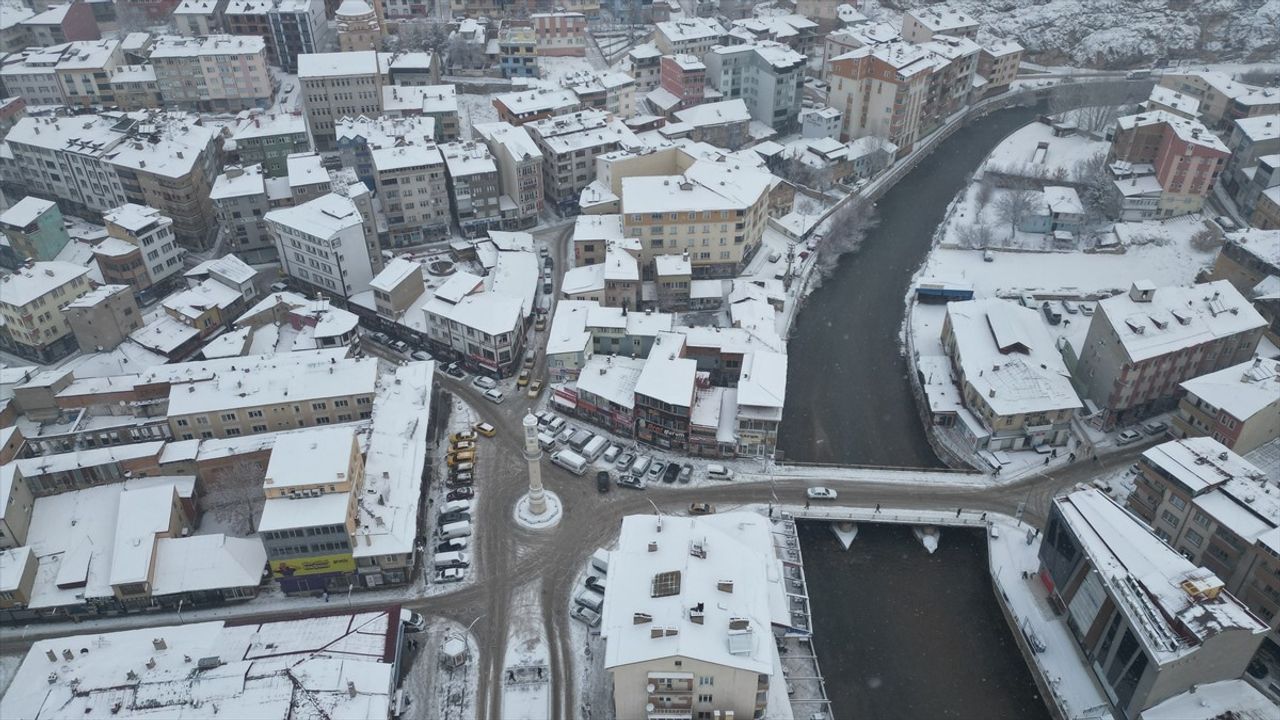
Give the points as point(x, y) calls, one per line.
point(688, 36)
point(483, 330)
point(152, 233)
point(217, 73)
point(337, 85)
point(769, 76)
point(323, 243)
point(412, 185)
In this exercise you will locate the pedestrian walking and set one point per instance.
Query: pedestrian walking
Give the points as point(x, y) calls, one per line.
point(877, 507)
point(806, 504)
point(1071, 457)
point(958, 511)
point(1046, 459)
point(984, 516)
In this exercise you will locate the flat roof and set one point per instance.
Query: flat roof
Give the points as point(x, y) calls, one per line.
point(26, 284)
point(319, 456)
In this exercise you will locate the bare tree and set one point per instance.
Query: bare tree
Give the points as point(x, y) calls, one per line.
point(797, 172)
point(233, 496)
point(1096, 189)
point(847, 228)
point(1093, 107)
point(976, 236)
point(1013, 206)
point(1208, 239)
point(983, 196)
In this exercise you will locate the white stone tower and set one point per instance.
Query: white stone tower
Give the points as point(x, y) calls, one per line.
point(533, 456)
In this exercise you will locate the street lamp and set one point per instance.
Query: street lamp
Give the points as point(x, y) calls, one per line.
point(350, 586)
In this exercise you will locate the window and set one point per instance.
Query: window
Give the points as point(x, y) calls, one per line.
point(704, 698)
point(1201, 519)
point(665, 584)
point(706, 680)
point(1177, 502)
point(1169, 518)
point(318, 406)
point(1195, 538)
point(182, 422)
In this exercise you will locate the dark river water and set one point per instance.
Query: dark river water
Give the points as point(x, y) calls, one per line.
point(848, 396)
point(905, 635)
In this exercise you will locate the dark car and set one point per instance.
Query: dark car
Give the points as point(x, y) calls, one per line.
point(594, 584)
point(452, 517)
point(671, 473)
point(465, 493)
point(458, 484)
point(602, 481)
point(455, 370)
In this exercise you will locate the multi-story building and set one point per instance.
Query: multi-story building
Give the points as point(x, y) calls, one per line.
point(643, 63)
point(1185, 156)
point(613, 280)
point(715, 578)
point(952, 80)
point(715, 212)
point(409, 68)
point(1251, 139)
point(358, 137)
point(475, 189)
point(216, 73)
point(482, 330)
point(84, 72)
point(323, 243)
point(1248, 258)
point(665, 394)
point(82, 178)
point(298, 27)
point(1153, 623)
point(103, 318)
point(768, 76)
point(249, 18)
point(519, 164)
point(921, 24)
point(685, 78)
point(34, 229)
point(338, 85)
point(197, 18)
point(881, 91)
point(438, 102)
point(689, 36)
point(526, 106)
point(309, 518)
point(793, 30)
point(1220, 511)
point(518, 51)
point(998, 65)
point(32, 74)
point(241, 198)
point(135, 87)
point(570, 145)
point(560, 33)
point(150, 233)
point(1011, 374)
point(268, 139)
point(607, 90)
point(411, 183)
point(358, 27)
point(1222, 99)
point(1237, 406)
point(63, 22)
point(31, 302)
point(1142, 345)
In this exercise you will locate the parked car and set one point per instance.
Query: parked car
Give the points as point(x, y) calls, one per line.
point(623, 463)
point(451, 575)
point(527, 363)
point(595, 583)
point(556, 424)
point(452, 517)
point(820, 493)
point(716, 471)
point(1155, 427)
point(278, 287)
point(1070, 307)
point(523, 378)
point(454, 370)
point(460, 494)
point(420, 355)
point(460, 456)
point(486, 429)
point(484, 383)
point(452, 545)
point(1086, 310)
point(494, 396)
point(602, 481)
point(630, 481)
point(686, 473)
point(535, 388)
point(459, 482)
point(1128, 436)
point(547, 262)
point(1050, 313)
point(701, 508)
point(461, 436)
point(656, 468)
point(546, 287)
point(611, 454)
point(540, 323)
point(412, 621)
point(670, 473)
point(587, 616)
point(565, 434)
point(641, 465)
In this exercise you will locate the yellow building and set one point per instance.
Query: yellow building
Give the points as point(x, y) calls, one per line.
point(31, 302)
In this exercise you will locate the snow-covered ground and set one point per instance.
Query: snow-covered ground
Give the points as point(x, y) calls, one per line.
point(594, 683)
point(472, 109)
point(526, 674)
point(9, 665)
point(437, 689)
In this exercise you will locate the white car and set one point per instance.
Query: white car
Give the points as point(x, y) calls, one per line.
point(494, 396)
point(1128, 436)
point(484, 383)
point(451, 575)
point(412, 621)
point(820, 493)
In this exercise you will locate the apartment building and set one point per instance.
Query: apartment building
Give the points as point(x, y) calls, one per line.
point(998, 63)
point(518, 51)
point(268, 139)
point(135, 87)
point(84, 72)
point(32, 74)
point(1250, 140)
point(665, 394)
point(1237, 406)
point(525, 106)
point(357, 137)
point(519, 164)
point(410, 68)
point(606, 90)
point(338, 85)
point(484, 331)
point(274, 396)
point(1223, 100)
point(103, 318)
point(298, 27)
point(715, 212)
point(613, 280)
point(438, 102)
point(768, 76)
point(313, 483)
point(952, 80)
point(1220, 512)
point(1185, 158)
point(793, 30)
point(1011, 375)
point(59, 23)
point(688, 36)
point(34, 228)
point(1248, 258)
point(197, 18)
point(690, 614)
point(215, 73)
point(570, 144)
point(168, 162)
point(1142, 345)
point(322, 243)
point(31, 302)
point(359, 27)
point(684, 77)
point(475, 189)
point(241, 199)
point(412, 184)
point(150, 235)
point(920, 25)
point(643, 64)
point(560, 34)
point(881, 90)
point(1154, 624)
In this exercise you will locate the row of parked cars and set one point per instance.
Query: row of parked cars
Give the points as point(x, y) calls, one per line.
point(453, 523)
point(588, 602)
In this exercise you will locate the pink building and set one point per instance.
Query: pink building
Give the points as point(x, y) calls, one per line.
point(684, 76)
point(560, 33)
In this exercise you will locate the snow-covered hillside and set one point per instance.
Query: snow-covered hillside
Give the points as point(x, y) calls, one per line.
point(1122, 33)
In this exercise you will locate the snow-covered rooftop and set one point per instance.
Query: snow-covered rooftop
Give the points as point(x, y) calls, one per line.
point(26, 284)
point(1189, 131)
point(274, 382)
point(1174, 100)
point(322, 217)
point(318, 456)
point(691, 29)
point(763, 382)
point(611, 377)
point(515, 139)
point(380, 132)
point(716, 113)
point(169, 46)
point(1178, 317)
point(26, 211)
point(1199, 464)
point(488, 312)
point(337, 64)
point(1223, 700)
point(705, 186)
point(667, 377)
point(537, 100)
point(1241, 391)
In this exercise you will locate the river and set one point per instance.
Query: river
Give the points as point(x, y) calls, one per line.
point(849, 399)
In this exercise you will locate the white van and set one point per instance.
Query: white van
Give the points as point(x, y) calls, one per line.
point(611, 455)
point(588, 599)
point(593, 449)
point(641, 466)
point(571, 461)
point(546, 442)
point(445, 560)
point(600, 560)
point(456, 506)
point(555, 424)
point(452, 530)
